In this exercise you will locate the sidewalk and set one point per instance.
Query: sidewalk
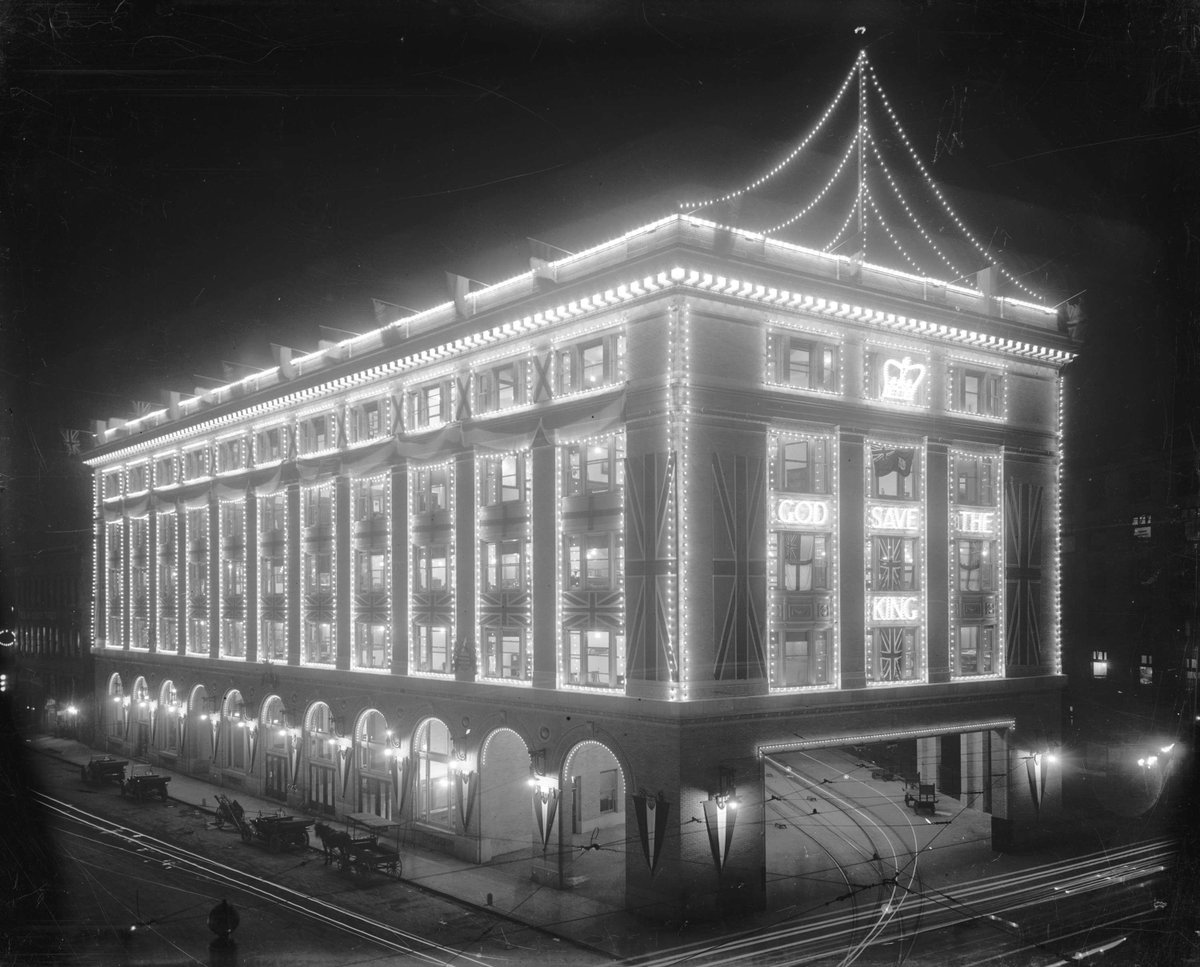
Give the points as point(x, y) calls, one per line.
point(560, 913)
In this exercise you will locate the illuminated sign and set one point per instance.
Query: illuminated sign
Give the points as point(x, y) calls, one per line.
point(894, 518)
point(977, 521)
point(892, 607)
point(901, 378)
point(802, 513)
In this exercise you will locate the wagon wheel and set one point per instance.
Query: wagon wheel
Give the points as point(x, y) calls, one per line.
point(246, 835)
point(273, 843)
point(398, 869)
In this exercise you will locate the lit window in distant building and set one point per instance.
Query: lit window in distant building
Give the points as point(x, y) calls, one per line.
point(431, 489)
point(1146, 670)
point(974, 480)
point(503, 565)
point(197, 581)
point(589, 561)
point(503, 479)
point(505, 654)
point(430, 406)
point(588, 364)
point(592, 658)
point(592, 467)
point(272, 576)
point(431, 647)
point(977, 391)
point(1099, 664)
point(807, 363)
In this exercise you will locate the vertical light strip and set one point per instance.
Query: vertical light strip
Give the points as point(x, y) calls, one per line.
point(684, 342)
point(1058, 462)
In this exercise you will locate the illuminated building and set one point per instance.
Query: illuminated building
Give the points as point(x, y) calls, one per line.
point(624, 523)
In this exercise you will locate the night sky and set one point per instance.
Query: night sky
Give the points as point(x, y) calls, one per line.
point(186, 183)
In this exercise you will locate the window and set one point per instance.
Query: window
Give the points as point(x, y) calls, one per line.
point(592, 658)
point(430, 405)
point(803, 658)
point(592, 468)
point(894, 472)
point(318, 508)
point(974, 480)
point(370, 498)
point(370, 645)
point(505, 655)
point(892, 563)
point(896, 657)
point(270, 444)
point(431, 749)
point(803, 467)
point(272, 576)
point(803, 561)
point(1146, 670)
point(318, 571)
point(168, 580)
point(165, 470)
point(231, 454)
point(431, 489)
point(137, 479)
point(197, 581)
point(977, 391)
point(112, 485)
point(316, 433)
point(431, 644)
point(503, 565)
point(430, 567)
point(195, 464)
point(318, 643)
point(371, 574)
point(609, 803)
point(1099, 664)
point(588, 364)
point(589, 559)
point(807, 363)
point(366, 421)
point(976, 566)
point(503, 479)
point(500, 387)
point(976, 650)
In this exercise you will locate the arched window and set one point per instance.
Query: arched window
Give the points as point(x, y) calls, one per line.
point(374, 776)
point(170, 710)
point(274, 725)
point(431, 755)
point(141, 716)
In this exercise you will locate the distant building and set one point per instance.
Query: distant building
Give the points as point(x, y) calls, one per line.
point(618, 529)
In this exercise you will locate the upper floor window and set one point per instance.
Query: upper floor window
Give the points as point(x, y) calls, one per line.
point(895, 472)
point(367, 420)
point(195, 463)
point(231, 454)
point(431, 567)
point(977, 391)
point(503, 479)
point(504, 565)
point(270, 444)
point(592, 467)
point(806, 362)
point(1099, 664)
point(430, 405)
point(802, 466)
point(500, 386)
point(370, 497)
point(896, 376)
point(112, 484)
point(976, 565)
point(136, 479)
point(431, 489)
point(974, 480)
point(318, 506)
point(316, 433)
point(590, 561)
point(588, 363)
point(892, 563)
point(803, 561)
point(165, 471)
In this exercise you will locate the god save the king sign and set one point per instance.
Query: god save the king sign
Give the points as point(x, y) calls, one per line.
point(886, 518)
point(793, 512)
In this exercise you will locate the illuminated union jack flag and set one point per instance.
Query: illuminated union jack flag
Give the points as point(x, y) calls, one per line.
point(891, 654)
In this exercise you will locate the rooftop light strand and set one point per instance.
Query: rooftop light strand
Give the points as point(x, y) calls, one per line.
point(887, 231)
point(932, 185)
point(912, 216)
point(841, 232)
point(692, 206)
point(820, 194)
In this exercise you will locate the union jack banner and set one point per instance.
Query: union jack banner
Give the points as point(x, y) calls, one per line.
point(71, 443)
point(593, 609)
point(504, 609)
point(891, 563)
point(891, 654)
point(1023, 573)
point(433, 607)
point(650, 566)
point(739, 566)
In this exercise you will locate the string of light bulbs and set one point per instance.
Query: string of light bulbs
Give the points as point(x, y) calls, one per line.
point(820, 194)
point(887, 231)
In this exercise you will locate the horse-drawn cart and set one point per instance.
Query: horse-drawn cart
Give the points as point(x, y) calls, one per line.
point(278, 832)
point(144, 782)
point(361, 848)
point(103, 768)
point(924, 800)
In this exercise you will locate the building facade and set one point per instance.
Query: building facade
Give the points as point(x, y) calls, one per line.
point(573, 554)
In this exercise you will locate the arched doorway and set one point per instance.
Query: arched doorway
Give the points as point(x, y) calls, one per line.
point(373, 748)
point(195, 741)
point(170, 714)
point(237, 730)
point(116, 710)
point(592, 823)
point(273, 730)
point(505, 822)
point(141, 717)
point(322, 762)
point(431, 755)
